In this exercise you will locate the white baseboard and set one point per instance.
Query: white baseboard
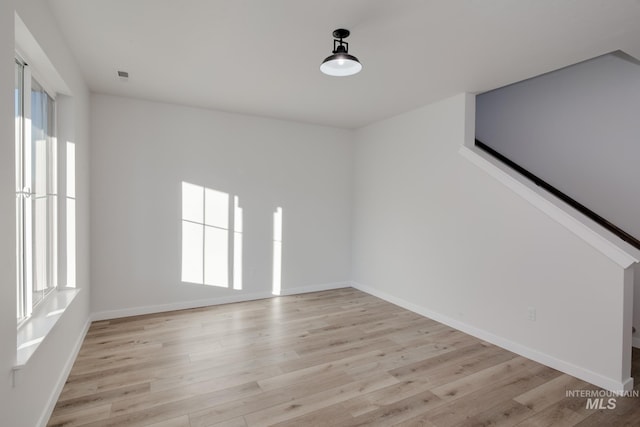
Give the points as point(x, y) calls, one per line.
point(64, 374)
point(240, 297)
point(545, 359)
point(635, 341)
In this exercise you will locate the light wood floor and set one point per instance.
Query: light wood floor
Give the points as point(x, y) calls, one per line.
point(335, 358)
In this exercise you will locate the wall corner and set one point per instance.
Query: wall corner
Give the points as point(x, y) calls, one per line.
point(469, 119)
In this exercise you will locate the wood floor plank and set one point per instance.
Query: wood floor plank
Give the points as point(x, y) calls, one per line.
point(333, 415)
point(228, 388)
point(312, 373)
point(445, 363)
point(478, 380)
point(398, 411)
point(87, 401)
point(553, 416)
point(215, 378)
point(338, 358)
point(550, 392)
point(182, 421)
point(505, 414)
point(80, 417)
point(174, 408)
point(310, 403)
point(463, 408)
point(329, 355)
point(370, 402)
point(235, 422)
point(240, 407)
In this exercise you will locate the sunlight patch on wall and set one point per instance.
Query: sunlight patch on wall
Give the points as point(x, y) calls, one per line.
point(216, 238)
point(211, 254)
point(277, 252)
point(237, 244)
point(71, 214)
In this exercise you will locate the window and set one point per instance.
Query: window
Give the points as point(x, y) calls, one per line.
point(211, 237)
point(36, 191)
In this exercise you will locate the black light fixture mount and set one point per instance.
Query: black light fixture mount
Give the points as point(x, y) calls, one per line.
point(341, 63)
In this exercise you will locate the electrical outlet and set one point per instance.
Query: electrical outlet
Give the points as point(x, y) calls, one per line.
point(532, 313)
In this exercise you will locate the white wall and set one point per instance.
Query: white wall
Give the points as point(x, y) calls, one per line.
point(27, 404)
point(141, 153)
point(435, 233)
point(576, 128)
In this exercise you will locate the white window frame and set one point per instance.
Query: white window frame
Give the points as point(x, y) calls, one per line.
point(25, 209)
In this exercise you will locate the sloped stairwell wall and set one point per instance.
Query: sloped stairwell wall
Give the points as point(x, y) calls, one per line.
point(577, 129)
point(437, 234)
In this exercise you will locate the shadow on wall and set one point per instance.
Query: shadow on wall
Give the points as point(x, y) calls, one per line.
point(212, 239)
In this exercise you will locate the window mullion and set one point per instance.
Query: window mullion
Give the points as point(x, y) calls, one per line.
point(27, 194)
point(52, 196)
point(19, 130)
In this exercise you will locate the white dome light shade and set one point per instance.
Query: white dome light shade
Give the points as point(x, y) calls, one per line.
point(340, 64)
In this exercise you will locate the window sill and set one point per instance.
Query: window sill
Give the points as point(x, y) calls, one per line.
point(35, 329)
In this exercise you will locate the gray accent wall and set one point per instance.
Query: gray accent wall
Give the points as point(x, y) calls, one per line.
point(577, 128)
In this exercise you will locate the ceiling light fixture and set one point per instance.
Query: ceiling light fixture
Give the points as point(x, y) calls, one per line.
point(340, 63)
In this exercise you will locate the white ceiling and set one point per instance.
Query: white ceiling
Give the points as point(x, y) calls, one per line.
point(262, 57)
